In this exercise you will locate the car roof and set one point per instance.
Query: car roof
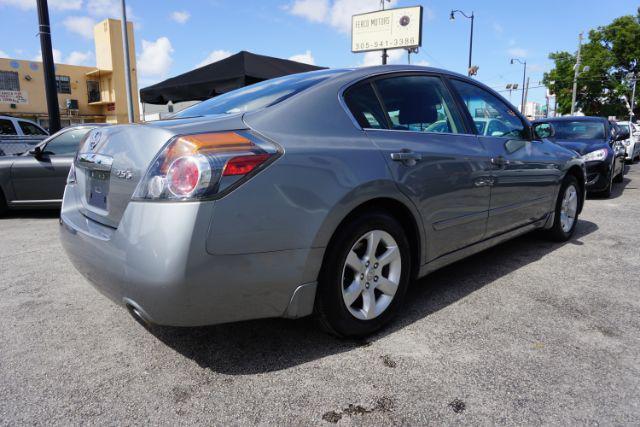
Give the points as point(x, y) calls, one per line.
point(572, 119)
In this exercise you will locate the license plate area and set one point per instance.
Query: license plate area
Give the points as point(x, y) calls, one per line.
point(98, 188)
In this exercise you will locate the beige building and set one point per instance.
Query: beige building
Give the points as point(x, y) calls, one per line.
point(85, 94)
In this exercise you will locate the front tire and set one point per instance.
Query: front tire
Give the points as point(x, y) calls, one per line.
point(566, 213)
point(364, 276)
point(620, 177)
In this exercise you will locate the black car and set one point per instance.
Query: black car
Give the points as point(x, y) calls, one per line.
point(596, 139)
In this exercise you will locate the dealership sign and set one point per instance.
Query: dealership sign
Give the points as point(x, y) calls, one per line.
point(387, 29)
point(13, 97)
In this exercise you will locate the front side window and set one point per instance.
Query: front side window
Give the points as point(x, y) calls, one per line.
point(7, 128)
point(419, 104)
point(63, 84)
point(66, 143)
point(30, 128)
point(491, 115)
point(364, 106)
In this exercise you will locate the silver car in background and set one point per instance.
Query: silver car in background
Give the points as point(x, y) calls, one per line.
point(320, 193)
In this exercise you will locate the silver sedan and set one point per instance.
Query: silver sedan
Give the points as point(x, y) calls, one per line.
point(320, 193)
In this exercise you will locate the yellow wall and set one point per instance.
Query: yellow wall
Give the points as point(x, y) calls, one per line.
point(112, 106)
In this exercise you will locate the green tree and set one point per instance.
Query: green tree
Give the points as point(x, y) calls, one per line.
point(611, 52)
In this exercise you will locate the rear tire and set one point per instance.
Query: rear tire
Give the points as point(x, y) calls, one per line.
point(566, 213)
point(362, 283)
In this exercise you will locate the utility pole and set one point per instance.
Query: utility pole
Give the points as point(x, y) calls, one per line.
point(546, 110)
point(452, 17)
point(384, 51)
point(48, 67)
point(576, 71)
point(525, 95)
point(524, 76)
point(127, 68)
point(633, 98)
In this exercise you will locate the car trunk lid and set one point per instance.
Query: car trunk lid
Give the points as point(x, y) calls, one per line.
point(113, 160)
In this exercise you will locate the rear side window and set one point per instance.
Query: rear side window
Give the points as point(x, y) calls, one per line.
point(491, 115)
point(419, 104)
point(258, 95)
point(6, 127)
point(30, 128)
point(364, 106)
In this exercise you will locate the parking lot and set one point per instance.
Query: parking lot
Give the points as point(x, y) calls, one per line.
point(527, 332)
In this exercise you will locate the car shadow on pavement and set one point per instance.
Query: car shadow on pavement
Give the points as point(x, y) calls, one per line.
point(261, 346)
point(31, 214)
point(616, 190)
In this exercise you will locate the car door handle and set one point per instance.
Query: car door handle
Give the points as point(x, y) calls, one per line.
point(499, 161)
point(406, 156)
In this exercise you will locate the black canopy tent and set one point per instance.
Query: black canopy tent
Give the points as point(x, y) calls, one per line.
point(242, 69)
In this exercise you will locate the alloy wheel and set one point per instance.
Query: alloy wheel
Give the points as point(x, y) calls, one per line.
point(371, 274)
point(568, 208)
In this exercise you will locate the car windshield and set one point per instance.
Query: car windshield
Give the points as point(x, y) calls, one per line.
point(624, 127)
point(259, 95)
point(578, 130)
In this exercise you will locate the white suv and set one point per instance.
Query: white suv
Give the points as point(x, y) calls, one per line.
point(631, 144)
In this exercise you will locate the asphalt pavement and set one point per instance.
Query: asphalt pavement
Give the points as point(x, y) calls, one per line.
point(529, 332)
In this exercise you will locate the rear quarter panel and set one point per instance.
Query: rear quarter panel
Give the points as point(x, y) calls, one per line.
point(328, 168)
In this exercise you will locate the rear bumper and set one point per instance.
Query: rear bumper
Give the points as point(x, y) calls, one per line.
point(156, 261)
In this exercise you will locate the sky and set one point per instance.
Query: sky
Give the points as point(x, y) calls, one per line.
point(175, 36)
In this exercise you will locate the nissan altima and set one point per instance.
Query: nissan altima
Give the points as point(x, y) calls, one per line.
point(320, 193)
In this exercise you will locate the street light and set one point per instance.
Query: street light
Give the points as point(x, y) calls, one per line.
point(524, 76)
point(452, 17)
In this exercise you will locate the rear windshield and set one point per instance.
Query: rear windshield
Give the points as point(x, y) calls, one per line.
point(578, 130)
point(258, 95)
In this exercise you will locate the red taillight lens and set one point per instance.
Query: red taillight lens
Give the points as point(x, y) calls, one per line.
point(191, 167)
point(183, 176)
point(242, 165)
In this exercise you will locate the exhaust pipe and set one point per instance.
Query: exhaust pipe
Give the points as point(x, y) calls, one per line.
point(138, 314)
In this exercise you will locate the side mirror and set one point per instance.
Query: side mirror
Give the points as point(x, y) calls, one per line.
point(621, 135)
point(36, 151)
point(543, 130)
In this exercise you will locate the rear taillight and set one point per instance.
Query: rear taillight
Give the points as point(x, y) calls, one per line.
point(201, 166)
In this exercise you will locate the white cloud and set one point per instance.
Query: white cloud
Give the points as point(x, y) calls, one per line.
point(429, 13)
point(336, 13)
point(306, 58)
point(497, 28)
point(422, 63)
point(313, 10)
point(80, 58)
point(517, 51)
point(181, 17)
point(82, 25)
point(214, 56)
point(110, 9)
point(3, 54)
point(54, 4)
point(57, 56)
point(155, 58)
point(343, 10)
point(396, 56)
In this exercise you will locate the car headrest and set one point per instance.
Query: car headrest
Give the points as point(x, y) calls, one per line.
point(419, 107)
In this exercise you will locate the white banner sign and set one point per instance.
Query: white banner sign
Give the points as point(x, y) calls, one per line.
point(387, 29)
point(13, 97)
